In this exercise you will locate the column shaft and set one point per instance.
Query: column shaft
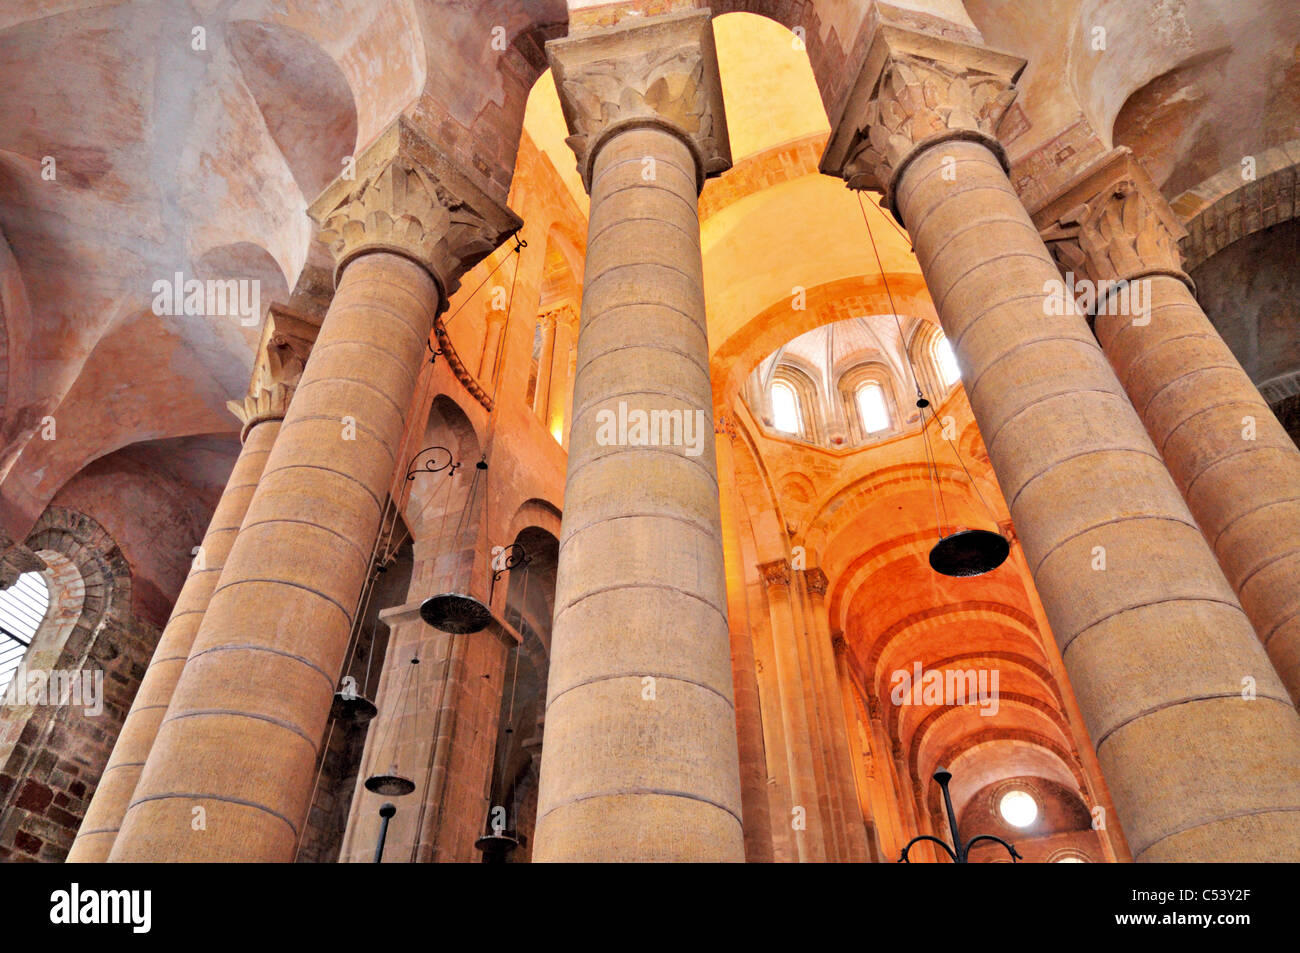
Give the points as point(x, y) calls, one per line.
point(229, 777)
point(559, 382)
point(542, 396)
point(635, 769)
point(749, 718)
point(487, 365)
point(1238, 468)
point(810, 837)
point(855, 848)
point(117, 784)
point(1155, 642)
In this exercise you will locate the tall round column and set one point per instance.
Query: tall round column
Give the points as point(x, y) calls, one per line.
point(1153, 637)
point(1238, 468)
point(229, 777)
point(640, 758)
point(1195, 733)
point(116, 785)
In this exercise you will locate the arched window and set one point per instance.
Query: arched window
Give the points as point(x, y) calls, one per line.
point(872, 407)
point(785, 408)
point(945, 361)
point(22, 609)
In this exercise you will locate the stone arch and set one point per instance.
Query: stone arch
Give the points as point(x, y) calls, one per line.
point(1218, 211)
point(535, 512)
point(746, 345)
point(91, 639)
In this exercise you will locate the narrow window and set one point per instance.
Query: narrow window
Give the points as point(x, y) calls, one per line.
point(22, 609)
point(785, 408)
point(946, 362)
point(872, 407)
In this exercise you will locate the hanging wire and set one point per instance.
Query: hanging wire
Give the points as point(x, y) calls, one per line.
point(519, 244)
point(932, 461)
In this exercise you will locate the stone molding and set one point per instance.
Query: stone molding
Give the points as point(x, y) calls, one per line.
point(916, 90)
point(660, 71)
point(458, 368)
point(407, 197)
point(1111, 224)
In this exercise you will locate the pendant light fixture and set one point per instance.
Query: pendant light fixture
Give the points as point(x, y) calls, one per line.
point(500, 837)
point(456, 612)
point(459, 613)
point(965, 551)
point(394, 783)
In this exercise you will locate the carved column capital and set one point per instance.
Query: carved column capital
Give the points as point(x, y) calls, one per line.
point(775, 573)
point(1111, 224)
point(561, 314)
point(660, 71)
point(816, 580)
point(916, 90)
point(407, 197)
point(287, 339)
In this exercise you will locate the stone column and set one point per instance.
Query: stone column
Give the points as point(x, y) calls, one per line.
point(828, 801)
point(1152, 635)
point(280, 363)
point(855, 849)
point(809, 839)
point(640, 756)
point(560, 382)
point(1237, 467)
point(487, 365)
point(542, 395)
point(230, 775)
point(757, 814)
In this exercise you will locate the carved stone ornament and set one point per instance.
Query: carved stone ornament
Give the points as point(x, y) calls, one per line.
point(407, 197)
point(1111, 224)
point(916, 90)
point(816, 580)
point(775, 573)
point(287, 339)
point(660, 71)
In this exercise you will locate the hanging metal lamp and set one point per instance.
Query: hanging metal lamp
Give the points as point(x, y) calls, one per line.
point(454, 612)
point(963, 552)
point(394, 783)
point(459, 613)
point(353, 708)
